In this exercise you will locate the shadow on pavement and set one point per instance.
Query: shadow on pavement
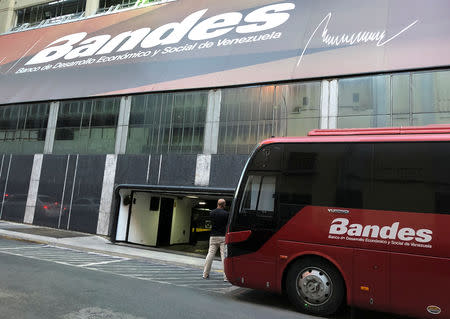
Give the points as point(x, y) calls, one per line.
point(281, 302)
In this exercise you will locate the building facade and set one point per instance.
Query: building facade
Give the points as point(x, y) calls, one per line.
point(100, 93)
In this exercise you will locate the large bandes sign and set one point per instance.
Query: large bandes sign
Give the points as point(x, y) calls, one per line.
point(191, 44)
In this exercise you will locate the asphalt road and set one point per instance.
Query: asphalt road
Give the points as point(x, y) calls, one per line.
point(41, 281)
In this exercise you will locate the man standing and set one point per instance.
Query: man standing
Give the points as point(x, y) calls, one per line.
point(219, 220)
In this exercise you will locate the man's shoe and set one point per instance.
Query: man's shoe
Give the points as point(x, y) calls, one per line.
point(205, 277)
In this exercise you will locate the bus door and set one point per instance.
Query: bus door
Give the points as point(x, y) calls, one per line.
point(256, 214)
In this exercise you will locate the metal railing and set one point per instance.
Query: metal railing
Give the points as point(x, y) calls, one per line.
point(48, 22)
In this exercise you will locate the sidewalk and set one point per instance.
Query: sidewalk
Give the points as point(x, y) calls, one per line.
point(88, 242)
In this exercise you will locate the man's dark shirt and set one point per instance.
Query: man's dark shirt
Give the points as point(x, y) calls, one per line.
point(219, 220)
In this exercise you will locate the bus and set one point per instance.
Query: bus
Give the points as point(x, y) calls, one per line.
point(347, 216)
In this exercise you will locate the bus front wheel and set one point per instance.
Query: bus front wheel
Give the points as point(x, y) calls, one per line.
point(315, 286)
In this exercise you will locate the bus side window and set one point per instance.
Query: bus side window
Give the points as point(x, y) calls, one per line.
point(258, 203)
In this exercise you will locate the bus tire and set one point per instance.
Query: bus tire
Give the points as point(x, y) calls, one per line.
point(315, 286)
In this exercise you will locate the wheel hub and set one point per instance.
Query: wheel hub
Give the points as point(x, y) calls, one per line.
point(314, 285)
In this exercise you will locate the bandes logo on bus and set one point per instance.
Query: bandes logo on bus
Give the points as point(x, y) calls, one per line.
point(340, 226)
point(261, 19)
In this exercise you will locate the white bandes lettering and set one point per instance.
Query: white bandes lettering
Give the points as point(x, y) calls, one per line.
point(221, 24)
point(260, 19)
point(88, 47)
point(424, 235)
point(172, 32)
point(389, 232)
point(355, 230)
point(406, 234)
point(371, 228)
point(339, 226)
point(133, 39)
point(52, 52)
point(266, 18)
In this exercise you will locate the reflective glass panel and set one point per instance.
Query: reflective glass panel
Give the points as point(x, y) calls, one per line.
point(87, 126)
point(23, 128)
point(251, 114)
point(52, 12)
point(431, 92)
point(364, 96)
point(167, 123)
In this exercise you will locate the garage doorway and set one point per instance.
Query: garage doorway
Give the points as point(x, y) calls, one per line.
point(165, 221)
point(170, 219)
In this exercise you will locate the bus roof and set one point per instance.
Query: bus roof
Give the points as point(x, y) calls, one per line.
point(429, 129)
point(383, 134)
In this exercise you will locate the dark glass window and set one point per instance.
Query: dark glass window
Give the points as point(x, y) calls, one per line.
point(52, 12)
point(411, 177)
point(257, 208)
point(330, 175)
point(167, 123)
point(259, 194)
point(407, 99)
point(105, 5)
point(251, 114)
point(87, 126)
point(403, 177)
point(23, 128)
point(319, 174)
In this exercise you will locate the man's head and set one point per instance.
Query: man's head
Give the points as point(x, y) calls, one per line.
point(221, 203)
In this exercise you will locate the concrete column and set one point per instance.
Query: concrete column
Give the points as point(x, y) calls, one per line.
point(202, 170)
point(333, 113)
point(147, 178)
point(7, 16)
point(104, 214)
point(324, 104)
point(91, 7)
point(5, 161)
point(51, 127)
point(159, 169)
point(122, 125)
point(212, 122)
point(33, 189)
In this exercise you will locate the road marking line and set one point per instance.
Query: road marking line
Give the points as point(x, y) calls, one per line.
point(219, 283)
point(141, 270)
point(208, 285)
point(224, 290)
point(24, 247)
point(175, 278)
point(167, 270)
point(58, 248)
point(214, 286)
point(32, 257)
point(63, 257)
point(127, 266)
point(2, 62)
point(101, 263)
point(156, 275)
point(177, 275)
